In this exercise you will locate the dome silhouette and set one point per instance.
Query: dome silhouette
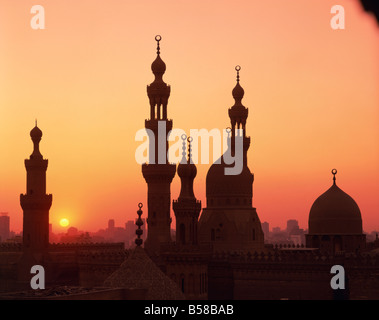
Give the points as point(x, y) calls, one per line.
point(222, 189)
point(335, 212)
point(36, 133)
point(158, 66)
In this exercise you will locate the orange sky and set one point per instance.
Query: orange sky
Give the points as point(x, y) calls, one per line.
point(312, 95)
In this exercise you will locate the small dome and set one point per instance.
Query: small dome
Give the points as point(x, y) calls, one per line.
point(335, 212)
point(222, 186)
point(187, 170)
point(238, 92)
point(158, 66)
point(36, 133)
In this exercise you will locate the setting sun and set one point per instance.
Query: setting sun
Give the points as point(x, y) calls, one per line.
point(64, 222)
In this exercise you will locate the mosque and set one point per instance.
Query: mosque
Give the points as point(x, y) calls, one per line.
point(219, 250)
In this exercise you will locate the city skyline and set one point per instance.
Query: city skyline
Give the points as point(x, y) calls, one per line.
point(89, 108)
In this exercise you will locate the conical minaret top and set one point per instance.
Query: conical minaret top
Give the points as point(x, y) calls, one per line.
point(158, 91)
point(187, 172)
point(36, 135)
point(238, 91)
point(238, 115)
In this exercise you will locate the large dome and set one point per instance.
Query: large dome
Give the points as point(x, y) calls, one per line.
point(229, 190)
point(335, 212)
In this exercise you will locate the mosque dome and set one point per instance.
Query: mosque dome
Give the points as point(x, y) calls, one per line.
point(187, 170)
point(238, 92)
point(335, 212)
point(224, 190)
point(36, 133)
point(158, 66)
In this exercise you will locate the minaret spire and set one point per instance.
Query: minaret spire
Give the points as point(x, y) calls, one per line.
point(139, 224)
point(158, 91)
point(238, 115)
point(334, 172)
point(187, 207)
point(158, 38)
point(35, 202)
point(158, 173)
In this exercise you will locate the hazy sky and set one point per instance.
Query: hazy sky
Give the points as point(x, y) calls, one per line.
point(312, 94)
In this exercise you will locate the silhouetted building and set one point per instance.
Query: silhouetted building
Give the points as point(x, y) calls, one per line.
point(158, 173)
point(266, 229)
point(36, 203)
point(111, 224)
point(291, 224)
point(335, 222)
point(138, 271)
point(4, 226)
point(185, 262)
point(230, 222)
point(221, 257)
point(186, 208)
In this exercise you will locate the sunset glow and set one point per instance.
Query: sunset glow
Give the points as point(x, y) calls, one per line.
point(312, 94)
point(64, 222)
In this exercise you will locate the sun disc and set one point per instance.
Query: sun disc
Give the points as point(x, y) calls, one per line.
point(64, 222)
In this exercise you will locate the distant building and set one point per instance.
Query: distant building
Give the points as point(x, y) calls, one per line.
point(292, 224)
point(111, 224)
point(4, 226)
point(276, 230)
point(266, 229)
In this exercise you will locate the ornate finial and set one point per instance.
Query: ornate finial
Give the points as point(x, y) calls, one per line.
point(184, 147)
point(190, 139)
point(238, 91)
point(238, 68)
point(139, 223)
point(334, 172)
point(36, 122)
point(157, 39)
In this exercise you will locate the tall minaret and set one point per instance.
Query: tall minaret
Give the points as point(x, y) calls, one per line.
point(238, 114)
point(186, 208)
point(158, 173)
point(230, 222)
point(36, 203)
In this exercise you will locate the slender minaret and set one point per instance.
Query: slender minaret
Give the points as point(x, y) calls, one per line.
point(230, 222)
point(36, 203)
point(186, 208)
point(238, 114)
point(158, 173)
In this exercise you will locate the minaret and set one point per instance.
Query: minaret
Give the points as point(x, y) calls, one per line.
point(238, 115)
point(158, 173)
point(186, 208)
point(36, 203)
point(230, 222)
